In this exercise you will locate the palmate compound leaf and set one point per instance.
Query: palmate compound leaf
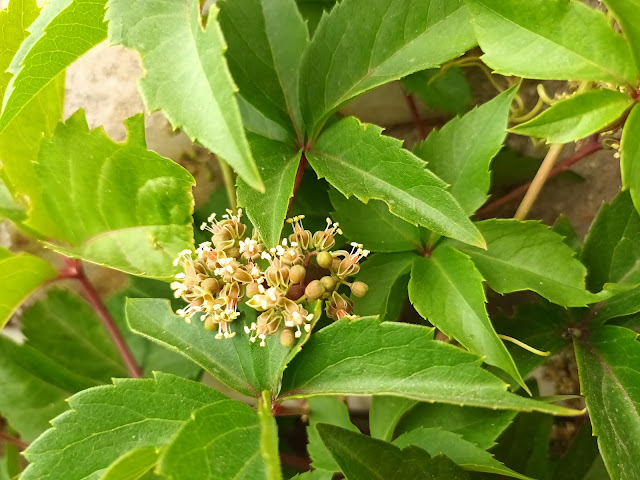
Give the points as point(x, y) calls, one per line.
point(609, 366)
point(417, 35)
point(264, 58)
point(530, 256)
point(365, 458)
point(186, 74)
point(116, 204)
point(47, 51)
point(367, 357)
point(357, 160)
point(20, 275)
point(447, 290)
point(236, 362)
point(576, 117)
point(107, 422)
point(553, 40)
point(464, 164)
point(278, 164)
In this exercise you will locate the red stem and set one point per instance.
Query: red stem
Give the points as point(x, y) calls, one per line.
point(417, 120)
point(13, 440)
point(294, 461)
point(585, 151)
point(75, 270)
point(298, 180)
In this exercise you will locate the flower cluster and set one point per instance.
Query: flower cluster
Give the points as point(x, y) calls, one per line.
point(278, 282)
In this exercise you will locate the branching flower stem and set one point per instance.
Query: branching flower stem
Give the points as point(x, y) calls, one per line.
point(415, 115)
point(74, 270)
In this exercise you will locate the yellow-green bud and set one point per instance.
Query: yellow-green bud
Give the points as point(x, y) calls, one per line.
point(328, 282)
point(297, 274)
point(324, 259)
point(210, 325)
point(359, 289)
point(287, 338)
point(314, 290)
point(210, 284)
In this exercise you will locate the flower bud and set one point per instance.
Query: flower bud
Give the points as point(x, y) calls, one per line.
point(287, 338)
point(324, 259)
point(328, 282)
point(359, 289)
point(252, 289)
point(211, 285)
point(314, 290)
point(297, 274)
point(338, 306)
point(210, 325)
point(233, 251)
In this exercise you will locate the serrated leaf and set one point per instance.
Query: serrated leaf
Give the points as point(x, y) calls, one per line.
point(464, 165)
point(236, 362)
point(441, 89)
point(417, 36)
point(20, 275)
point(464, 453)
point(386, 274)
point(9, 207)
point(132, 465)
point(105, 422)
point(612, 247)
point(206, 446)
point(630, 156)
point(265, 58)
point(624, 12)
point(625, 300)
point(579, 457)
point(576, 117)
point(278, 164)
point(365, 458)
point(326, 410)
point(373, 225)
point(385, 413)
point(367, 357)
point(556, 40)
point(608, 359)
point(357, 160)
point(179, 55)
point(530, 256)
point(478, 425)
point(447, 290)
point(47, 51)
point(122, 206)
point(312, 11)
point(314, 475)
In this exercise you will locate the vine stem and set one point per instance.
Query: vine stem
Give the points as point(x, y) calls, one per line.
point(417, 119)
point(298, 180)
point(76, 271)
point(14, 441)
point(584, 152)
point(229, 184)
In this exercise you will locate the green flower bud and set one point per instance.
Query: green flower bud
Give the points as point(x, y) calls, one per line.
point(210, 325)
point(314, 290)
point(359, 289)
point(324, 259)
point(328, 282)
point(297, 274)
point(287, 338)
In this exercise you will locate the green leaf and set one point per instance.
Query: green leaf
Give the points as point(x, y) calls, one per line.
point(132, 465)
point(416, 36)
point(219, 441)
point(478, 425)
point(314, 475)
point(556, 40)
point(385, 413)
point(357, 160)
point(151, 356)
point(530, 256)
point(47, 51)
point(106, 422)
point(625, 12)
point(441, 89)
point(365, 458)
point(264, 58)
point(329, 410)
point(236, 362)
point(461, 152)
point(278, 164)
point(624, 301)
point(386, 274)
point(630, 156)
point(312, 11)
point(179, 55)
point(9, 207)
point(612, 247)
point(447, 289)
point(123, 206)
point(608, 365)
point(579, 457)
point(367, 357)
point(21, 274)
point(373, 225)
point(464, 453)
point(576, 117)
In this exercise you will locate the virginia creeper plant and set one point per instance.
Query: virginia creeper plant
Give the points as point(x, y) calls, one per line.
point(338, 262)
